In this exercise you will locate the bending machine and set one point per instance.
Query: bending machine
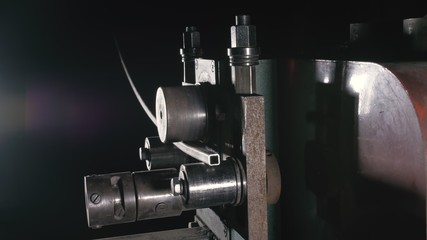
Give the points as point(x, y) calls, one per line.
point(333, 146)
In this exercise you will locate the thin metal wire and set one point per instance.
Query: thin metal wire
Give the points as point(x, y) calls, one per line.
point(138, 96)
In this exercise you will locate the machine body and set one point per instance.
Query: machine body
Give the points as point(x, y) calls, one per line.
point(350, 135)
point(210, 150)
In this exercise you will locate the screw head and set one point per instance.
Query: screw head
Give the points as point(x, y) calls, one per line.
point(95, 198)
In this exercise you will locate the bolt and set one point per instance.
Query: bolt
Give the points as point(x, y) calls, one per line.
point(213, 66)
point(243, 34)
point(191, 38)
point(95, 198)
point(176, 186)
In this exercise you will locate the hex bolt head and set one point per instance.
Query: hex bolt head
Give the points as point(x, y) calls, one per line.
point(176, 186)
point(243, 36)
point(191, 38)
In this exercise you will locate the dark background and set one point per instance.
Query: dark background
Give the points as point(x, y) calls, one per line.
point(67, 110)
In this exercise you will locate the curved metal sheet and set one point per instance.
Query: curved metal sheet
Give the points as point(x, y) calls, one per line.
point(391, 148)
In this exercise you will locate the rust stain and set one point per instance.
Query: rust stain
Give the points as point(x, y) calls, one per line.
point(421, 111)
point(412, 77)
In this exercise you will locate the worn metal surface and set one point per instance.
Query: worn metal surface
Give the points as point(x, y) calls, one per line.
point(253, 147)
point(196, 233)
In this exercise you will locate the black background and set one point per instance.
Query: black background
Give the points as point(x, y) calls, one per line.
point(67, 110)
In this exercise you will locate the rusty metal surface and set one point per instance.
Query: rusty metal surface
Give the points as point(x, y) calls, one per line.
point(253, 143)
point(413, 77)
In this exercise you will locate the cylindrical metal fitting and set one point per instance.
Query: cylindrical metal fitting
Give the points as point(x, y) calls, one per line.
point(244, 50)
point(243, 55)
point(158, 155)
point(155, 198)
point(181, 114)
point(191, 47)
point(190, 50)
point(243, 20)
point(110, 199)
point(415, 30)
point(205, 186)
point(128, 197)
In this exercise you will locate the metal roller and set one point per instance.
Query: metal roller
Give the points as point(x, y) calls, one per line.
point(155, 198)
point(203, 186)
point(158, 155)
point(110, 199)
point(128, 197)
point(181, 114)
